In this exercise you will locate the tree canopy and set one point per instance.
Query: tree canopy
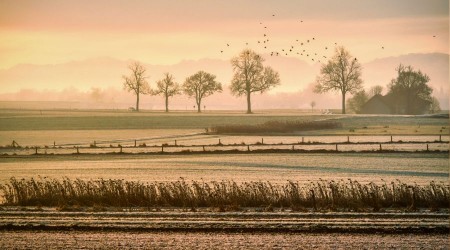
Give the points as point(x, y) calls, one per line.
point(167, 87)
point(136, 82)
point(410, 89)
point(251, 76)
point(341, 73)
point(357, 101)
point(201, 85)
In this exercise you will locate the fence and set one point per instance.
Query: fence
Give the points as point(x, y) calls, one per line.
point(393, 143)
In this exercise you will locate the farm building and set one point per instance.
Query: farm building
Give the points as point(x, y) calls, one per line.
point(390, 104)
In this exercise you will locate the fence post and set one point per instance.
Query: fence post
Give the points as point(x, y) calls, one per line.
point(336, 147)
point(203, 148)
point(380, 147)
point(348, 139)
point(427, 146)
point(54, 144)
point(220, 142)
point(162, 148)
point(262, 140)
point(293, 147)
point(78, 151)
point(440, 138)
point(175, 142)
point(134, 143)
point(121, 149)
point(36, 150)
point(303, 139)
point(391, 138)
point(248, 147)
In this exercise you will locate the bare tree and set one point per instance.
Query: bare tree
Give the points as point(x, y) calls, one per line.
point(434, 106)
point(250, 76)
point(313, 104)
point(167, 87)
point(375, 90)
point(342, 73)
point(201, 85)
point(136, 82)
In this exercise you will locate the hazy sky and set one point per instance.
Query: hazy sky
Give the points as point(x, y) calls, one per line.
point(167, 31)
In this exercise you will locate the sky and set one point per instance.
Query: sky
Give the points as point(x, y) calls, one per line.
point(168, 32)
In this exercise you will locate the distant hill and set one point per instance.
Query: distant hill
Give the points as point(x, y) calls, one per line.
point(74, 81)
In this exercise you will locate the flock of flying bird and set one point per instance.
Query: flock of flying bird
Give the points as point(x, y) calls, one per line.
point(296, 48)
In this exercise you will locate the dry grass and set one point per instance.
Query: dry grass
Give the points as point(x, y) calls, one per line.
point(323, 195)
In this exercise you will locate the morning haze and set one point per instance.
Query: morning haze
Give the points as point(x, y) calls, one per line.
point(224, 124)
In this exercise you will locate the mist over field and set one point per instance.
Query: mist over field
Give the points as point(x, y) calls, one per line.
point(96, 83)
point(170, 124)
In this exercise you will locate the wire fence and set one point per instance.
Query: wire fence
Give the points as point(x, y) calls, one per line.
point(204, 143)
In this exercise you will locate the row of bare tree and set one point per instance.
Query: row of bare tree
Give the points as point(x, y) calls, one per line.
point(249, 76)
point(342, 73)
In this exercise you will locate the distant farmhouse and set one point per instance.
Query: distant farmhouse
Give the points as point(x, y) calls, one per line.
point(391, 104)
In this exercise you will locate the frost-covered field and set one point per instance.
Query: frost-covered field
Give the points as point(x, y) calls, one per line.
point(210, 228)
point(250, 229)
point(421, 168)
point(197, 240)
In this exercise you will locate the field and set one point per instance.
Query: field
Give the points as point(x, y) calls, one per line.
point(98, 134)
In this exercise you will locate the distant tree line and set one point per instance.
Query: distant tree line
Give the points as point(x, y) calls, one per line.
point(250, 76)
point(342, 74)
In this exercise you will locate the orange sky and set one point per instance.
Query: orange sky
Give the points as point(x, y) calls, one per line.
point(167, 32)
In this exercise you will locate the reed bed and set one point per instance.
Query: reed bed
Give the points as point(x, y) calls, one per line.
point(276, 127)
point(349, 195)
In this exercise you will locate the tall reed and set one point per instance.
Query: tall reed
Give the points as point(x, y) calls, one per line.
point(320, 195)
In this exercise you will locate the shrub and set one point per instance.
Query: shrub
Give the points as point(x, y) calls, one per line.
point(275, 127)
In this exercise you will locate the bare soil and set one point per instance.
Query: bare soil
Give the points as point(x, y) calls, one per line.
point(201, 240)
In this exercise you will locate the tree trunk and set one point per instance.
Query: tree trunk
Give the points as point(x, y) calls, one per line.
point(198, 106)
point(167, 103)
point(343, 103)
point(137, 102)
point(249, 103)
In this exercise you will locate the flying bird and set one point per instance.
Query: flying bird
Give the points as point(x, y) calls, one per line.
point(228, 45)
